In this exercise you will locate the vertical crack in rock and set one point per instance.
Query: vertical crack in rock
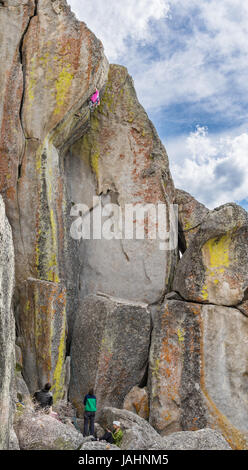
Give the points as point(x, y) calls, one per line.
point(20, 114)
point(22, 61)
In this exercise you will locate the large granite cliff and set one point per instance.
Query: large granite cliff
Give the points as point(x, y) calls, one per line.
point(106, 307)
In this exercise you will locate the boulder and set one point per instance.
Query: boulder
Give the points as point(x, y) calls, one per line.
point(204, 439)
point(214, 268)
point(137, 402)
point(98, 445)
point(7, 328)
point(191, 213)
point(109, 349)
point(197, 371)
point(22, 390)
point(138, 434)
point(38, 431)
point(13, 441)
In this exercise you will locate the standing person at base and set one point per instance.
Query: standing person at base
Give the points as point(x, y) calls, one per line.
point(89, 412)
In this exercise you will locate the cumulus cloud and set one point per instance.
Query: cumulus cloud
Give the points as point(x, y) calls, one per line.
point(116, 22)
point(189, 62)
point(214, 170)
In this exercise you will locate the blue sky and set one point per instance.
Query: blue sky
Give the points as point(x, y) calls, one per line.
point(189, 62)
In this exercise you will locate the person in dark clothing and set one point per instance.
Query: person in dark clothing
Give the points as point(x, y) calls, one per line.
point(89, 412)
point(43, 398)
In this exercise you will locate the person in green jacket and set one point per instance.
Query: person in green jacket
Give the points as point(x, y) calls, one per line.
point(114, 437)
point(89, 412)
point(118, 433)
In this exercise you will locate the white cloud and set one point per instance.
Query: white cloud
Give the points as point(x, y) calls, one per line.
point(191, 54)
point(214, 169)
point(113, 22)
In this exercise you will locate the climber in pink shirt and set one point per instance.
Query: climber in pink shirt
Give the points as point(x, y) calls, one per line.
point(95, 99)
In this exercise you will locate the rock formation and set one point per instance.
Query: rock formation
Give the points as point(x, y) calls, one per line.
point(7, 329)
point(95, 311)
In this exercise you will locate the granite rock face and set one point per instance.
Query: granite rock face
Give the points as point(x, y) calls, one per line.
point(112, 337)
point(214, 267)
point(92, 305)
point(191, 213)
point(7, 328)
point(37, 431)
point(198, 370)
point(137, 401)
point(57, 156)
point(205, 439)
point(130, 167)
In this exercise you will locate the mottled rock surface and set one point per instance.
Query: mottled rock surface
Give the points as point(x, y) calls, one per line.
point(7, 328)
point(214, 268)
point(112, 337)
point(43, 335)
point(98, 445)
point(37, 431)
point(198, 370)
point(137, 402)
point(205, 439)
point(131, 167)
point(191, 213)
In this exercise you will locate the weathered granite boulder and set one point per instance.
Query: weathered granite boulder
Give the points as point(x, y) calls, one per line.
point(214, 268)
point(109, 350)
point(38, 431)
point(13, 441)
point(98, 445)
point(191, 213)
point(198, 369)
point(137, 432)
point(137, 402)
point(7, 328)
point(205, 439)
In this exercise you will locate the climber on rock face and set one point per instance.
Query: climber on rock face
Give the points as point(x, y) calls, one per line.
point(89, 412)
point(95, 99)
point(43, 398)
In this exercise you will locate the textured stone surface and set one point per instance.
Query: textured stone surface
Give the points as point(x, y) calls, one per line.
point(198, 370)
point(205, 439)
point(137, 402)
point(36, 431)
point(95, 445)
point(43, 336)
point(7, 328)
point(131, 167)
point(191, 213)
point(57, 154)
point(176, 402)
point(47, 79)
point(137, 432)
point(22, 391)
point(13, 441)
point(214, 268)
point(113, 339)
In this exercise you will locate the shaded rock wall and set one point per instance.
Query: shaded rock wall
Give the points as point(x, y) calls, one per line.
point(7, 328)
